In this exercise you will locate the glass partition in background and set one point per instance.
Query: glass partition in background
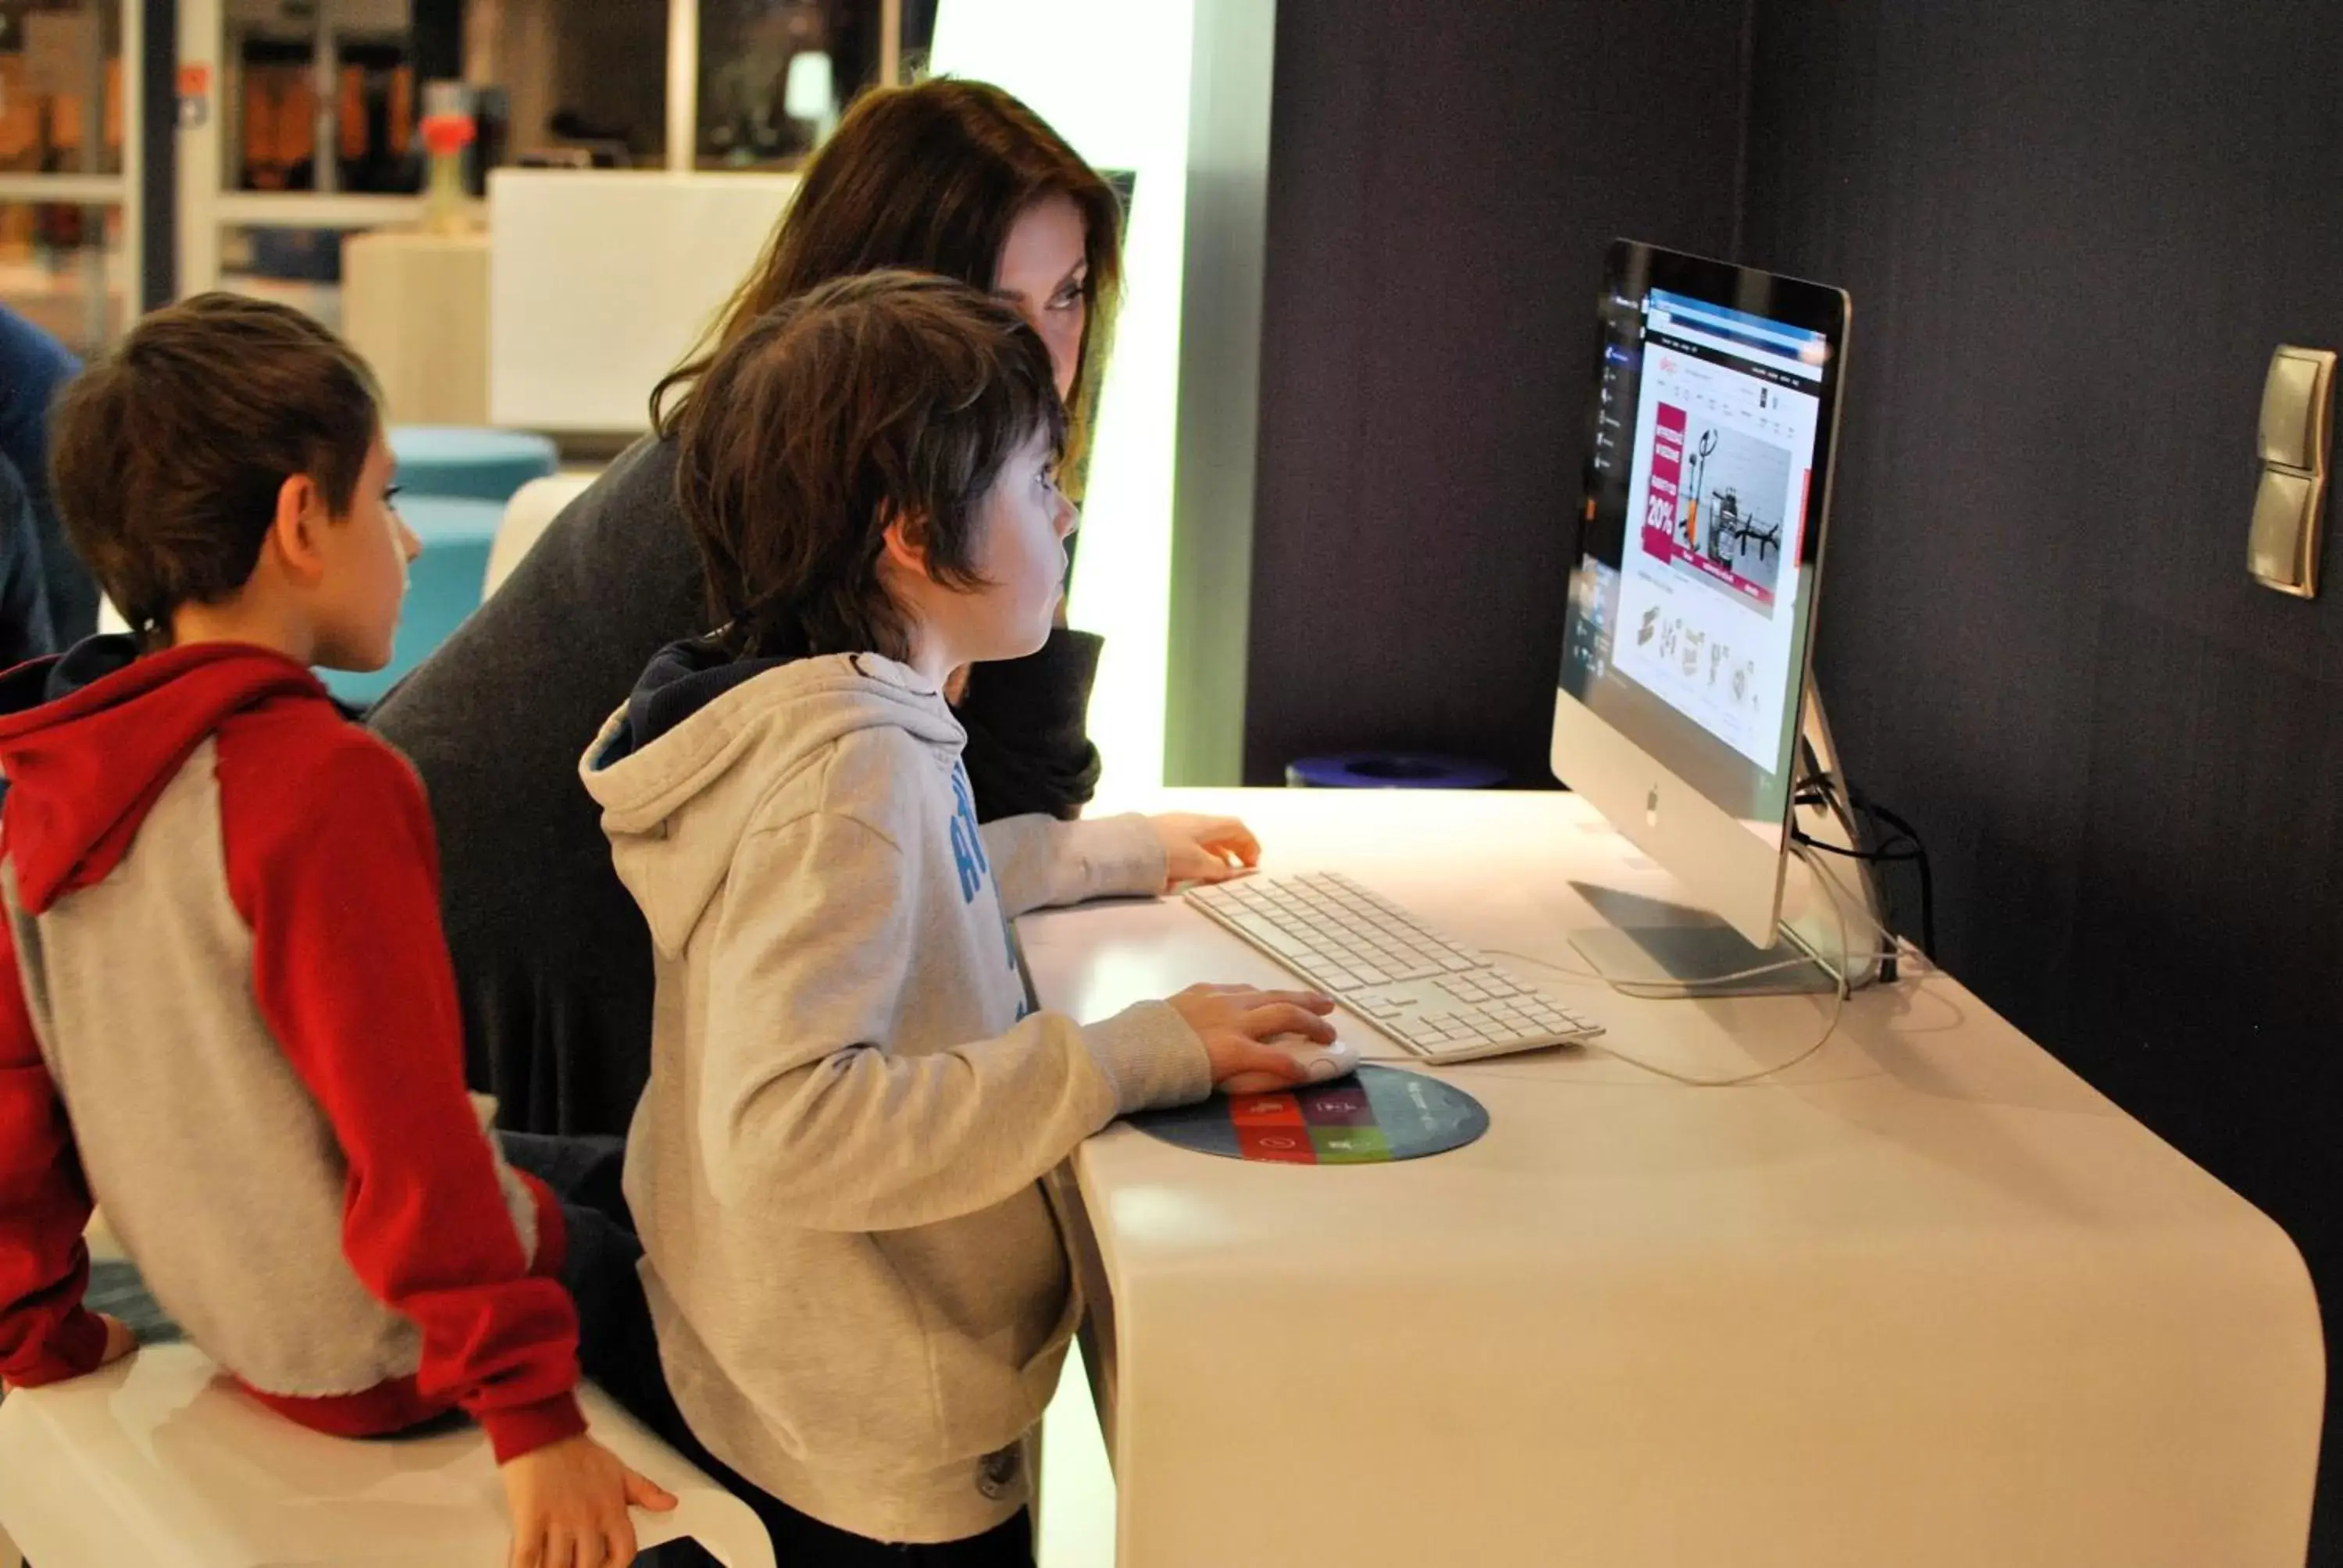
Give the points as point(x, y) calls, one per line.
point(278, 54)
point(62, 259)
point(576, 82)
point(775, 75)
point(1114, 78)
point(318, 98)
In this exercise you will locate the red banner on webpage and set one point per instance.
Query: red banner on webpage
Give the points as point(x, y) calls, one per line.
point(1667, 469)
point(1672, 521)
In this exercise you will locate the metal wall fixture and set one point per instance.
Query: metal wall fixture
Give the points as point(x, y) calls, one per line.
point(2297, 399)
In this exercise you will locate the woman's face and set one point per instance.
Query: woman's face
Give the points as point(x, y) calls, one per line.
point(1042, 273)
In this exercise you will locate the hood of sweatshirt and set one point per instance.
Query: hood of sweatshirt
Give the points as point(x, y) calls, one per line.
point(703, 742)
point(90, 738)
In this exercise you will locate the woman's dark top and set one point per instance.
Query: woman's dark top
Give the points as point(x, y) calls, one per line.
point(553, 963)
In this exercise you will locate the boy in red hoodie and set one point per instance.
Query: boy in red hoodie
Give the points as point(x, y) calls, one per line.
point(226, 1006)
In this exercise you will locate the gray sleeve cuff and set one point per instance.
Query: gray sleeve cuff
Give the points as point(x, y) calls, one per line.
point(1150, 1057)
point(1039, 861)
point(1120, 856)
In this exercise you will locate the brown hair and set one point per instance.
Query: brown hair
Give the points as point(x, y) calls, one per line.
point(928, 177)
point(168, 453)
point(874, 396)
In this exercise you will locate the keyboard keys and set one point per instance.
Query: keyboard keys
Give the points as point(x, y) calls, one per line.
point(1259, 930)
point(1434, 998)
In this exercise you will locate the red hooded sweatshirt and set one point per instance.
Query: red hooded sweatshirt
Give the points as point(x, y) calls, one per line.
point(227, 1014)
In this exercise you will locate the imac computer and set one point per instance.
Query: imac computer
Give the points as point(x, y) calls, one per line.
point(1684, 712)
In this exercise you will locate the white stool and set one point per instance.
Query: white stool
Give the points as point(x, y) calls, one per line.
point(528, 515)
point(158, 1461)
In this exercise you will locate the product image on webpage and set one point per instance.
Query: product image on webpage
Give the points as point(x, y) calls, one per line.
point(1717, 505)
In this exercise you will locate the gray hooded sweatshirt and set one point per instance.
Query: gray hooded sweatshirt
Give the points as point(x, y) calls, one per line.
point(860, 1287)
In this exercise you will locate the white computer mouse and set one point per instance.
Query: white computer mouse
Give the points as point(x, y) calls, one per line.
point(1319, 1063)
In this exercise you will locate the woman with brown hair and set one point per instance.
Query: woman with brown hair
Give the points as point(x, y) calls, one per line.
point(553, 962)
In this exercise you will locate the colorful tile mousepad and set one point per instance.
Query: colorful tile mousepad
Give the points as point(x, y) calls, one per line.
point(1379, 1116)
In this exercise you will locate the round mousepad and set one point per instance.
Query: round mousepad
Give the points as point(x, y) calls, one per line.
point(1376, 1117)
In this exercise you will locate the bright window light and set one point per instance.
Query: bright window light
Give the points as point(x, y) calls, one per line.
point(1112, 77)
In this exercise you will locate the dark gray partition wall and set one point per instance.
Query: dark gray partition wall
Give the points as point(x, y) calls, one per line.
point(1442, 179)
point(2072, 232)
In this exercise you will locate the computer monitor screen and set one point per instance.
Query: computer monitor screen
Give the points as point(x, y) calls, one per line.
point(1715, 407)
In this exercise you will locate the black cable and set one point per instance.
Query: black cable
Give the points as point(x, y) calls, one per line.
point(1892, 819)
point(1875, 856)
point(1920, 857)
point(1818, 794)
point(1823, 790)
point(1888, 853)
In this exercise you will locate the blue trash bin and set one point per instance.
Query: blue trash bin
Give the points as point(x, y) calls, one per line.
point(1391, 770)
point(443, 587)
point(463, 460)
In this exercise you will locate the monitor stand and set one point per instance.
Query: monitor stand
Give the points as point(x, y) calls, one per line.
point(1653, 948)
point(1650, 948)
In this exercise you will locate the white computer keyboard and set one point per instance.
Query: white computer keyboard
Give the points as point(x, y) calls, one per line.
point(1440, 1000)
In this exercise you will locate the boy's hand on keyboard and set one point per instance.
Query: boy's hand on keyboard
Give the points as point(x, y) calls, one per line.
point(1204, 848)
point(569, 1502)
point(1233, 1021)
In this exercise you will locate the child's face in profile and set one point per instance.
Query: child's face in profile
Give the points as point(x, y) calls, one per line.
point(1022, 528)
point(356, 608)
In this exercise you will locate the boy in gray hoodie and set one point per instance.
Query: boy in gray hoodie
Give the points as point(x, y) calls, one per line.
point(862, 1294)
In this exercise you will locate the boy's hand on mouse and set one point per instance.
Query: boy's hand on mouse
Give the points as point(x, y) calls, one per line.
point(1234, 1021)
point(1204, 848)
point(569, 1502)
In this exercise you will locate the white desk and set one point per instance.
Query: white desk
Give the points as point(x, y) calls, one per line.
point(1929, 1298)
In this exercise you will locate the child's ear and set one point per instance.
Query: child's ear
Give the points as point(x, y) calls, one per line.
point(296, 529)
point(903, 540)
